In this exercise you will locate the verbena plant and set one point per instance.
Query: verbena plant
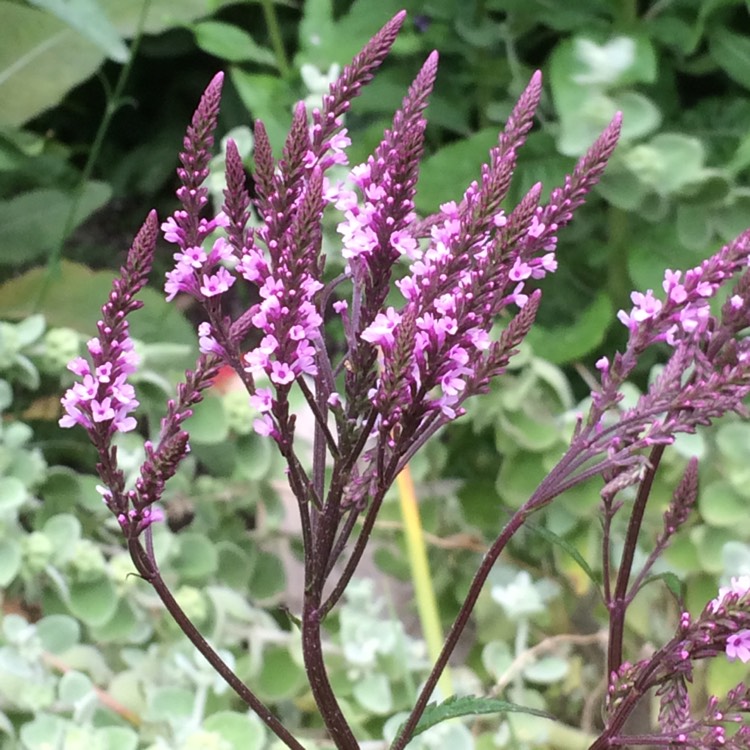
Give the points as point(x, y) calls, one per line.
point(468, 298)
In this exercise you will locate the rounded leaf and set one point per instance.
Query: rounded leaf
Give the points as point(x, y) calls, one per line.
point(10, 560)
point(73, 687)
point(42, 732)
point(546, 671)
point(172, 704)
point(241, 731)
point(721, 505)
point(93, 602)
point(58, 633)
point(197, 557)
point(268, 578)
point(12, 496)
point(373, 693)
point(280, 678)
point(117, 738)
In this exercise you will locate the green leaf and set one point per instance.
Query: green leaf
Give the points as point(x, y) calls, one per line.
point(585, 333)
point(117, 738)
point(373, 693)
point(58, 633)
point(10, 560)
point(446, 174)
point(231, 43)
point(13, 495)
point(721, 505)
point(73, 687)
point(673, 583)
point(267, 98)
point(89, 20)
point(63, 530)
point(197, 557)
point(121, 627)
point(547, 670)
point(157, 321)
point(172, 704)
point(732, 52)
point(470, 705)
point(255, 456)
point(268, 578)
point(6, 395)
point(40, 59)
point(42, 732)
point(553, 538)
point(208, 424)
point(26, 237)
point(234, 566)
point(280, 678)
point(241, 731)
point(93, 602)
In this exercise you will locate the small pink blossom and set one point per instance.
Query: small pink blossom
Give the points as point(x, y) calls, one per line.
point(380, 331)
point(738, 646)
point(217, 283)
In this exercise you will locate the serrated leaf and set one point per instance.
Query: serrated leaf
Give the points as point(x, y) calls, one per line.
point(470, 705)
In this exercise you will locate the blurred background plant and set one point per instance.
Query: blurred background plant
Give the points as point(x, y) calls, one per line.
point(96, 94)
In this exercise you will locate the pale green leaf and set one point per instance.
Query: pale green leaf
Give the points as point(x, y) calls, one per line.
point(89, 20)
point(33, 222)
point(240, 731)
point(470, 705)
point(231, 43)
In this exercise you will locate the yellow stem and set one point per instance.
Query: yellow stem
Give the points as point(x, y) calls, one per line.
point(427, 608)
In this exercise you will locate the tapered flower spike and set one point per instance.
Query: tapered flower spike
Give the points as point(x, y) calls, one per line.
point(497, 173)
point(236, 199)
point(352, 79)
point(104, 400)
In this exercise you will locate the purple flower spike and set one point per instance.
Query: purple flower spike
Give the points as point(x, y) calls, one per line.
point(102, 401)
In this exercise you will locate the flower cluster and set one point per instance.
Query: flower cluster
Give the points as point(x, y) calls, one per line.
point(406, 369)
point(102, 401)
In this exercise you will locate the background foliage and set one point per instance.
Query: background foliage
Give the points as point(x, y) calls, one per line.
point(96, 95)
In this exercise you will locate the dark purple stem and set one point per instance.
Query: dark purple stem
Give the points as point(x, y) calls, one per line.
point(462, 620)
point(147, 568)
point(620, 600)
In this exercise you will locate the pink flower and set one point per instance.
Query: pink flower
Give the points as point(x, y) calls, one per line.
point(380, 331)
point(738, 646)
point(217, 283)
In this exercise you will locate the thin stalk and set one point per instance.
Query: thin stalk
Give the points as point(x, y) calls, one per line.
point(113, 104)
point(274, 33)
point(361, 543)
point(461, 621)
point(620, 600)
point(146, 566)
point(424, 591)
